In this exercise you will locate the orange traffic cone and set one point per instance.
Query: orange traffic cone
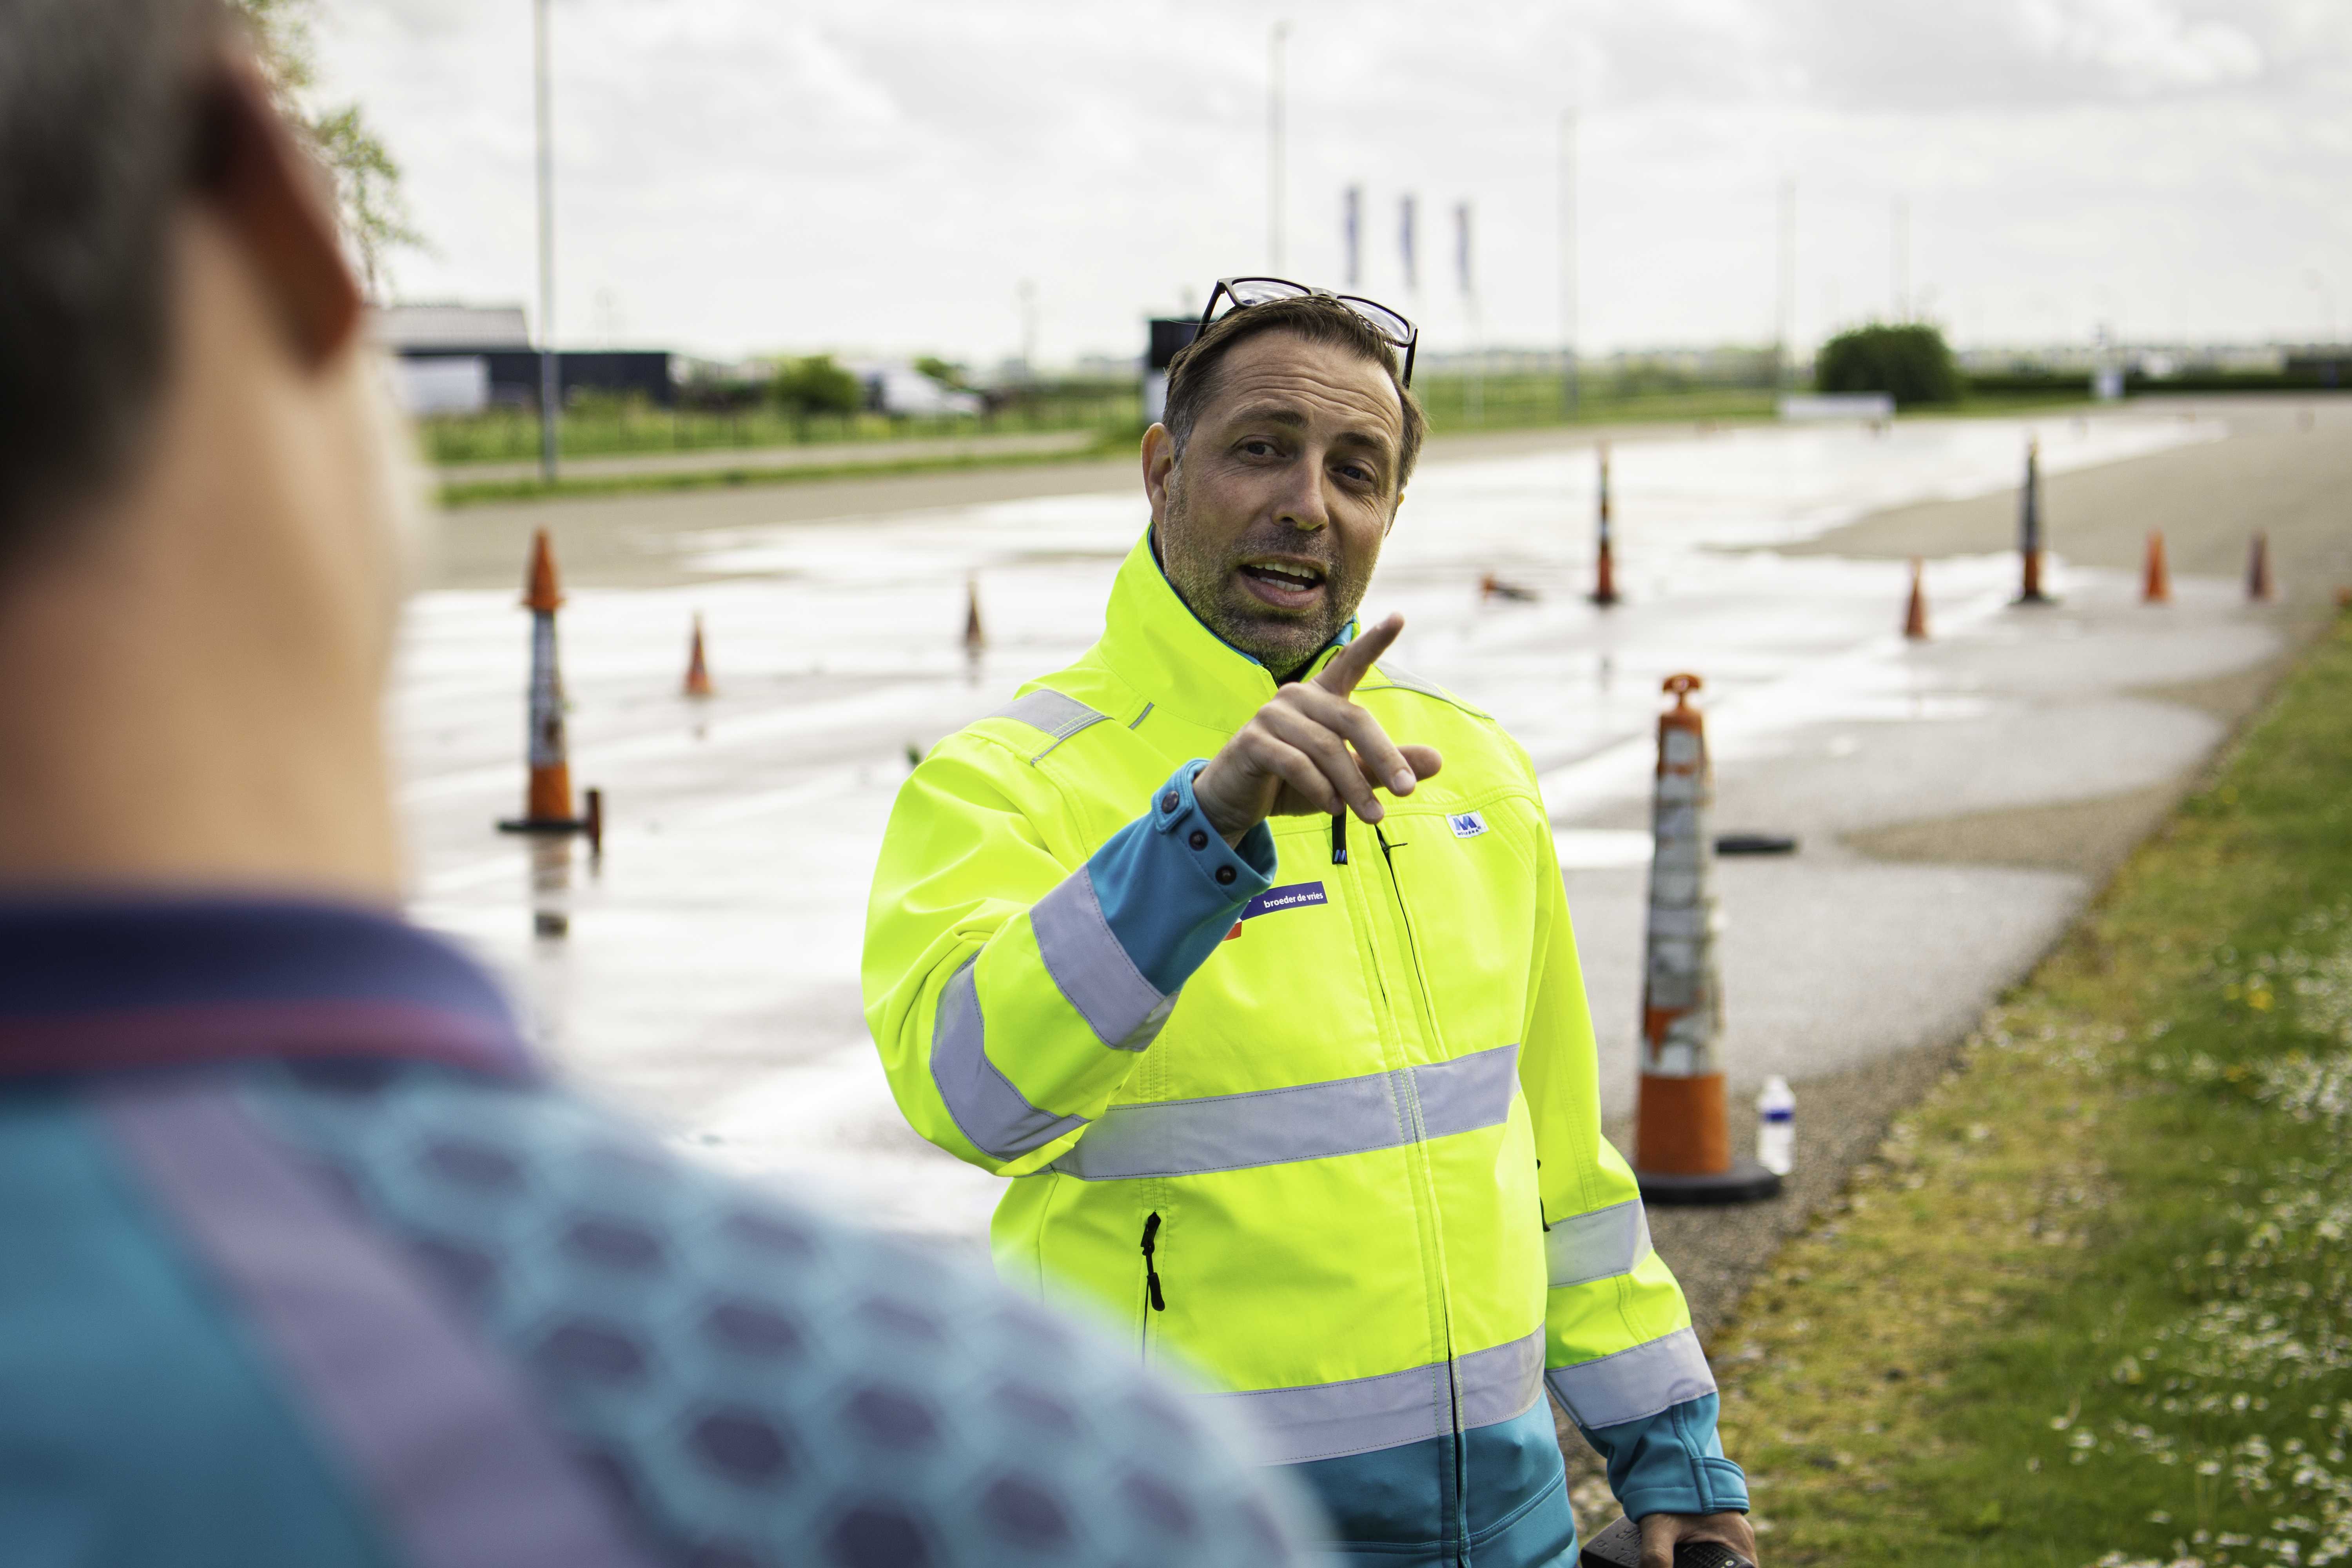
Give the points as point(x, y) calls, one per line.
point(698, 669)
point(547, 803)
point(2029, 530)
point(2157, 589)
point(1915, 618)
point(975, 641)
point(1604, 566)
point(1682, 1134)
point(2258, 570)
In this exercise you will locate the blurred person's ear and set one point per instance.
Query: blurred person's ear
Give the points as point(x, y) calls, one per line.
point(274, 199)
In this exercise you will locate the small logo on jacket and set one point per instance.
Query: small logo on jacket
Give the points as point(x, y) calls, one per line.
point(1466, 824)
point(1288, 897)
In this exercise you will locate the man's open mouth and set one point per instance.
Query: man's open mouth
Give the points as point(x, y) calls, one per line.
point(1284, 583)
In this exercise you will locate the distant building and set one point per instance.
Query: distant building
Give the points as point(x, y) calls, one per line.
point(461, 358)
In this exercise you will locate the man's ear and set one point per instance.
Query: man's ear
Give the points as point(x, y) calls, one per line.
point(275, 200)
point(1159, 468)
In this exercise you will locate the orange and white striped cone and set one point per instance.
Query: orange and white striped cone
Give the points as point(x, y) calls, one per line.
point(1681, 1132)
point(1604, 563)
point(547, 801)
point(2157, 588)
point(2259, 587)
point(698, 667)
point(975, 640)
point(1914, 614)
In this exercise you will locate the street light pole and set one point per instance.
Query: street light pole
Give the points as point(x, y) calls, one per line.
point(1275, 128)
point(1787, 327)
point(1902, 259)
point(1567, 259)
point(550, 410)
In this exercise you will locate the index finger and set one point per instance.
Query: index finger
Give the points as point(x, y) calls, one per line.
point(1339, 676)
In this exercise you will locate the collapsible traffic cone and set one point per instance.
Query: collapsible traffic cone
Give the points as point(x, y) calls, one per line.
point(547, 801)
point(697, 669)
point(2157, 589)
point(2258, 570)
point(1682, 1135)
point(1915, 618)
point(975, 641)
point(2028, 529)
point(1604, 569)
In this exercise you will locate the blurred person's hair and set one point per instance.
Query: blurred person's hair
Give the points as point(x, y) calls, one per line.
point(101, 129)
point(1192, 373)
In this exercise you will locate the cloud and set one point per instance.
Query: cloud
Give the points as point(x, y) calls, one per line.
point(886, 173)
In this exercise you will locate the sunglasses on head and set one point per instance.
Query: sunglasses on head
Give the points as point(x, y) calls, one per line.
point(1241, 293)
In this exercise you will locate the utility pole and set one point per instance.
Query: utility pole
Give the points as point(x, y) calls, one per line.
point(1568, 388)
point(1351, 236)
point(1276, 41)
point(1467, 278)
point(1902, 259)
point(550, 406)
point(1784, 373)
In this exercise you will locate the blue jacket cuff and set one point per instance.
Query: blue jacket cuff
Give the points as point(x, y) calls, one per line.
point(1671, 1462)
point(1169, 886)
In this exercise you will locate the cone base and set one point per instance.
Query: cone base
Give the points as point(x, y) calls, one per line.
point(1747, 1182)
point(543, 825)
point(2034, 599)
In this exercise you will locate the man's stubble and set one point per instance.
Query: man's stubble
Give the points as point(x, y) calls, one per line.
point(1204, 577)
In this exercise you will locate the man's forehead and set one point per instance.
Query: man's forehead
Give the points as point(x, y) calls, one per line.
point(1282, 370)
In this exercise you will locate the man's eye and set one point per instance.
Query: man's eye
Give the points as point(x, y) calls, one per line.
point(1258, 448)
point(1358, 472)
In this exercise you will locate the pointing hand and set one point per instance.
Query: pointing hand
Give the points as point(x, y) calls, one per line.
point(1311, 751)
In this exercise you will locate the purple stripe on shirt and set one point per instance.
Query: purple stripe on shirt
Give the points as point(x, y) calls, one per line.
point(438, 1433)
point(197, 1032)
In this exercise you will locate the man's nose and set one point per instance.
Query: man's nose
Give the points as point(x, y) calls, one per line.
point(1302, 503)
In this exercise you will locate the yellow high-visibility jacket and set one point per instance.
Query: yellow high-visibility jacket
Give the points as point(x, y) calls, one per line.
point(1320, 1117)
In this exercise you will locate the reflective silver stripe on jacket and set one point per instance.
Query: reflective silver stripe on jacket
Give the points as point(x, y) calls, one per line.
point(1326, 1420)
point(1092, 968)
point(1597, 1245)
point(1633, 1383)
point(1059, 716)
point(996, 1117)
point(1311, 1121)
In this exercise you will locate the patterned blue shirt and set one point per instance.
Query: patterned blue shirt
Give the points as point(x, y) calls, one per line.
point(307, 1264)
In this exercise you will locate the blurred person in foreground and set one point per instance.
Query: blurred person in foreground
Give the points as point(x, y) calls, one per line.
point(1312, 1108)
point(302, 1259)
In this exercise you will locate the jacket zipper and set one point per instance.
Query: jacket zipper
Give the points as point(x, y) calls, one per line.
point(1445, 1305)
point(1151, 1294)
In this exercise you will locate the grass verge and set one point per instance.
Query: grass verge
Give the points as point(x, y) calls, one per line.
point(2093, 1302)
point(479, 492)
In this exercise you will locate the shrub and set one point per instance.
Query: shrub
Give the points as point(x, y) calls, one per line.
point(1912, 365)
point(817, 385)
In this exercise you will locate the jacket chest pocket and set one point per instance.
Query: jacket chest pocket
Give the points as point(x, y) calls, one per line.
point(1466, 883)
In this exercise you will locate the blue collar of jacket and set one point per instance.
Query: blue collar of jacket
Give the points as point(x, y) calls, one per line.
point(92, 983)
point(1153, 641)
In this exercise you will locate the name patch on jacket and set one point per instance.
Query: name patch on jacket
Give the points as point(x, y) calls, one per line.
point(1466, 824)
point(1296, 895)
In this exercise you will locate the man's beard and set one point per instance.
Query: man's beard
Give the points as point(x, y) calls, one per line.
point(1210, 587)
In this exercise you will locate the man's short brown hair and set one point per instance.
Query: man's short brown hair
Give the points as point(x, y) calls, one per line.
point(99, 129)
point(1192, 373)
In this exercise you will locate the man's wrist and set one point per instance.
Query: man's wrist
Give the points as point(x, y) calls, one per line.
point(1210, 805)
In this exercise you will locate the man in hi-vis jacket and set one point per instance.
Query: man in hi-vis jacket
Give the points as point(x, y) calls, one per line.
point(1287, 1050)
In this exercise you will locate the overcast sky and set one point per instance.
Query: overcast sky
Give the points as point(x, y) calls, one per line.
point(753, 175)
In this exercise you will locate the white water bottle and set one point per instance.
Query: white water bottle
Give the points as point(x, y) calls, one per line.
point(1775, 1126)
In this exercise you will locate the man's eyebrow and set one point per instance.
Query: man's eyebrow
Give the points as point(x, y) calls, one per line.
point(1284, 415)
point(1270, 414)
